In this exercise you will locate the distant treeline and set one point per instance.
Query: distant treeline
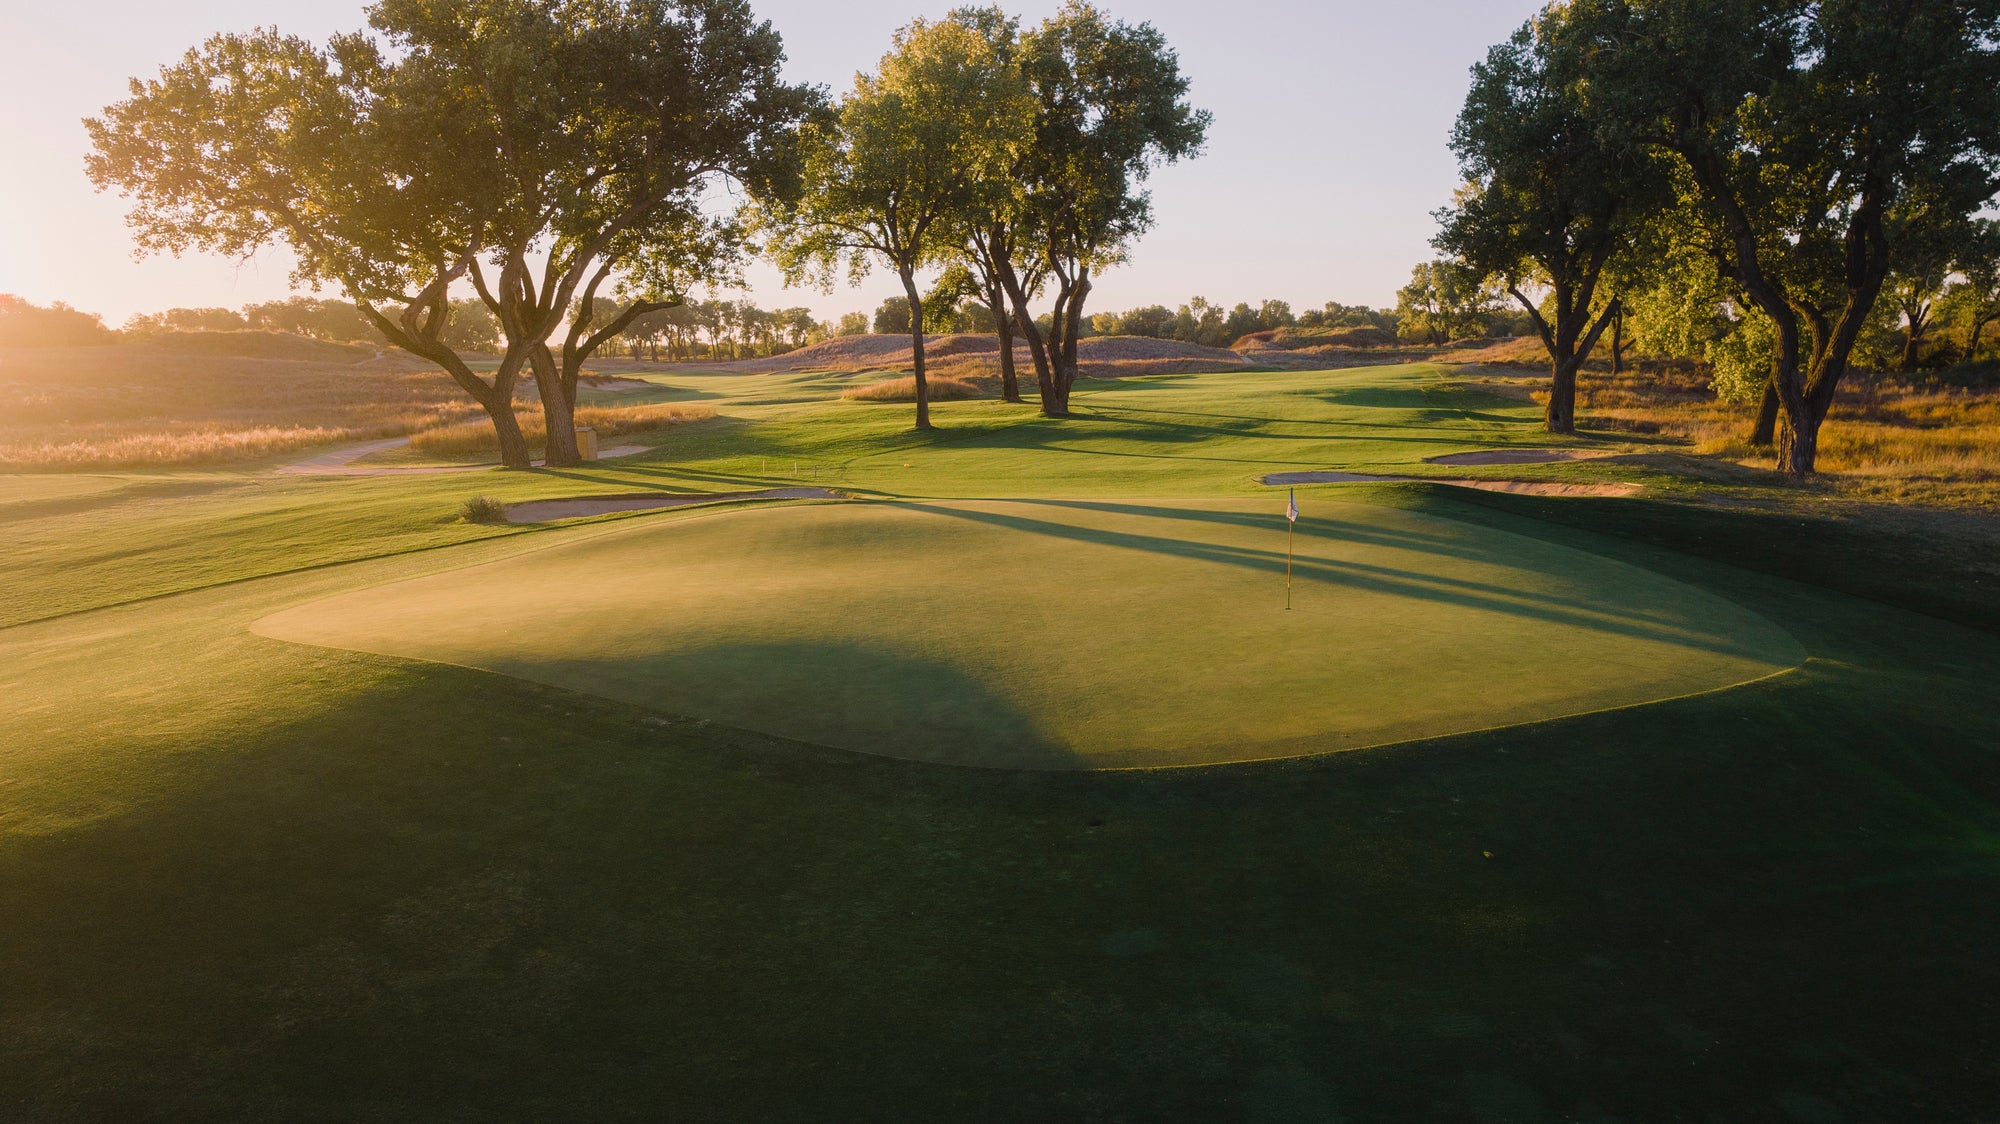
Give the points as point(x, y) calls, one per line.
point(712, 329)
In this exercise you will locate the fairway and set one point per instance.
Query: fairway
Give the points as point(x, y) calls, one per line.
point(1053, 634)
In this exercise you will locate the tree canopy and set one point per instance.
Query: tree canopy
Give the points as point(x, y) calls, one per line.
point(926, 139)
point(1802, 128)
point(1110, 106)
point(1551, 198)
point(533, 149)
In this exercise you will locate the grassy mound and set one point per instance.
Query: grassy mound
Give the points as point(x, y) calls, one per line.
point(942, 389)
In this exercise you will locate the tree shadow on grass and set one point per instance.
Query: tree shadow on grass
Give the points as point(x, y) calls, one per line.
point(1598, 616)
point(457, 889)
point(849, 696)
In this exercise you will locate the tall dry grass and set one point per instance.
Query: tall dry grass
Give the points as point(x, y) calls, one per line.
point(943, 388)
point(133, 405)
point(475, 439)
point(1885, 439)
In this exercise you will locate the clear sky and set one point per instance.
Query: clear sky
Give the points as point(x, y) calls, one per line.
point(1325, 162)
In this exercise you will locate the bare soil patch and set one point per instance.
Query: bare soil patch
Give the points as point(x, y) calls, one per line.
point(581, 507)
point(1522, 487)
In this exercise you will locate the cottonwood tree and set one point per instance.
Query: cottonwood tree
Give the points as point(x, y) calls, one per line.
point(263, 138)
point(1802, 126)
point(1917, 283)
point(986, 234)
point(1442, 301)
point(914, 146)
point(1110, 106)
point(1974, 298)
point(1550, 201)
point(532, 150)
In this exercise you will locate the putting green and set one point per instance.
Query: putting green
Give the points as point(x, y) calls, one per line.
point(1070, 634)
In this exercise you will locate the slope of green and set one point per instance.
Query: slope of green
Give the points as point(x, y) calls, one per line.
point(250, 879)
point(1168, 642)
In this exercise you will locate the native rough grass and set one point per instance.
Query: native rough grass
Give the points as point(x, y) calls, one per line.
point(942, 389)
point(139, 405)
point(1886, 439)
point(476, 438)
point(127, 406)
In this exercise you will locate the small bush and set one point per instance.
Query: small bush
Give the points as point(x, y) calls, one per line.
point(905, 390)
point(483, 509)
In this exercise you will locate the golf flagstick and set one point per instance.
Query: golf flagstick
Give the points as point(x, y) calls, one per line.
point(1291, 522)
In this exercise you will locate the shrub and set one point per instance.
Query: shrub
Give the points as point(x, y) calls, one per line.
point(483, 509)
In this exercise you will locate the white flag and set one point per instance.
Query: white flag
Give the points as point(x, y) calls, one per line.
point(1292, 505)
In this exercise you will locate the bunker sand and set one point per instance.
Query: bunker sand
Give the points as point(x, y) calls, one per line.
point(861, 626)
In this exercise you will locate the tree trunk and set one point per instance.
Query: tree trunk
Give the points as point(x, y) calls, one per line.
point(1764, 431)
point(1003, 326)
point(917, 349)
point(558, 412)
point(1978, 328)
point(1618, 343)
point(513, 445)
point(499, 405)
point(1038, 351)
point(1024, 322)
point(1568, 353)
point(1561, 415)
point(1798, 446)
point(1064, 324)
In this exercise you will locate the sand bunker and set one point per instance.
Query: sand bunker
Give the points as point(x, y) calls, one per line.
point(544, 511)
point(1520, 456)
point(1523, 487)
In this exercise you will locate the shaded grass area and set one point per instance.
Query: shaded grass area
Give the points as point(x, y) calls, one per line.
point(323, 886)
point(1929, 562)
